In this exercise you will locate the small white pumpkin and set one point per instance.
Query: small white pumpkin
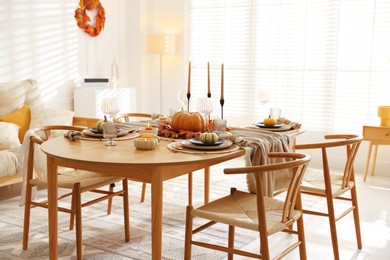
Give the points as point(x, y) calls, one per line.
point(100, 123)
point(208, 138)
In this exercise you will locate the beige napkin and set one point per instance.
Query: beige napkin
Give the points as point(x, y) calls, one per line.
point(294, 125)
point(73, 135)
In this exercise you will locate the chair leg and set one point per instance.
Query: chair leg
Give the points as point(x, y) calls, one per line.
point(301, 230)
point(356, 217)
point(109, 204)
point(188, 234)
point(126, 213)
point(332, 224)
point(72, 208)
point(231, 241)
point(79, 241)
point(143, 192)
point(27, 211)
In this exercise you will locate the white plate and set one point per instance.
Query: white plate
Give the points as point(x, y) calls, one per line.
point(88, 132)
point(189, 145)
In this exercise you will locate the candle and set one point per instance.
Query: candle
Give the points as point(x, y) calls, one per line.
point(148, 127)
point(222, 76)
point(189, 78)
point(208, 79)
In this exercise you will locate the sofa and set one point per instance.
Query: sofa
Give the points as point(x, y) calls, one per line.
point(22, 108)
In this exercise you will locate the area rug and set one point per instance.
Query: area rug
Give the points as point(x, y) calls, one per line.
point(103, 235)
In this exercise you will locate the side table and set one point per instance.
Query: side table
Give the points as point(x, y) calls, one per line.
point(376, 135)
point(87, 100)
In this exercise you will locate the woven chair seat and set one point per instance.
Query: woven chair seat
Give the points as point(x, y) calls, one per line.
point(88, 180)
point(313, 181)
point(239, 209)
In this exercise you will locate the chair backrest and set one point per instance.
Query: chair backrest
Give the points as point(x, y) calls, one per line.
point(298, 163)
point(351, 144)
point(37, 157)
point(128, 117)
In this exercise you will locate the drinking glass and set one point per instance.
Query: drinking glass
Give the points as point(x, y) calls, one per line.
point(110, 107)
point(182, 98)
point(109, 132)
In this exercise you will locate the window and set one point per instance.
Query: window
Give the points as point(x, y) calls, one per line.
point(326, 63)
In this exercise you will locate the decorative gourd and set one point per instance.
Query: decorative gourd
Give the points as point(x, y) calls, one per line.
point(269, 121)
point(184, 120)
point(100, 123)
point(208, 138)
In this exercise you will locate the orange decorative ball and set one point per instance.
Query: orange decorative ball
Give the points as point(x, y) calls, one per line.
point(184, 120)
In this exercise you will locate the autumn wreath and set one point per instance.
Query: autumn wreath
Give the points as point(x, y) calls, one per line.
point(83, 20)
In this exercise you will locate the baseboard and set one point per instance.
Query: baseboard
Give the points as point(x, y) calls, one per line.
point(10, 191)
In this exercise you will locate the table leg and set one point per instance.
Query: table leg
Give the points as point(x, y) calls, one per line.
point(367, 161)
point(190, 189)
point(206, 185)
point(52, 192)
point(157, 199)
point(374, 159)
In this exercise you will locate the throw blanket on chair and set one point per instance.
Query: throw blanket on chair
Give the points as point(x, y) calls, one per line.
point(40, 167)
point(259, 144)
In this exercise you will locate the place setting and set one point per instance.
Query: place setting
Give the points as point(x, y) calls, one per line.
point(106, 129)
point(195, 146)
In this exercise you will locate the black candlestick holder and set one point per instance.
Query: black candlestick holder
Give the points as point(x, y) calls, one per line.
point(222, 102)
point(188, 103)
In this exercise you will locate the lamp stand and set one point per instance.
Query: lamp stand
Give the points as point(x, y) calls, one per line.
point(161, 90)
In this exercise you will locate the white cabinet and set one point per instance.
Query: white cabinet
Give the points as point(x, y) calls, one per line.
point(87, 100)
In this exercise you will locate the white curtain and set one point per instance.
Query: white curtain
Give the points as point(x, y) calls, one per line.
point(326, 63)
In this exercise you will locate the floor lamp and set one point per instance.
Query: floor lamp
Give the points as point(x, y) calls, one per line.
point(163, 45)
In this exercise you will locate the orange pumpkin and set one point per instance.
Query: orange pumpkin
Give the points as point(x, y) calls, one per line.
point(184, 120)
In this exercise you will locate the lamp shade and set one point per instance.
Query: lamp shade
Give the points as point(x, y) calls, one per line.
point(162, 44)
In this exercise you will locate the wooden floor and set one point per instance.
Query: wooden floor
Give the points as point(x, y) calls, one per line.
point(374, 203)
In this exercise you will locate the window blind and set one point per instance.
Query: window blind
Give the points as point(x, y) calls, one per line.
point(326, 63)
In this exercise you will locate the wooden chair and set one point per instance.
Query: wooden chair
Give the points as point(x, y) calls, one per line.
point(333, 185)
point(78, 182)
point(255, 211)
point(128, 118)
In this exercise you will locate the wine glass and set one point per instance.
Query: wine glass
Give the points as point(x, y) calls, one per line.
point(182, 98)
point(110, 107)
point(205, 106)
point(109, 132)
point(263, 96)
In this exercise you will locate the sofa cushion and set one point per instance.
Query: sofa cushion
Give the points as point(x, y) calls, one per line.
point(9, 136)
point(13, 95)
point(9, 164)
point(20, 117)
point(41, 116)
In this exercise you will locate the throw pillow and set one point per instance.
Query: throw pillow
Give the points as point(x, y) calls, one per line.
point(9, 136)
point(13, 95)
point(42, 116)
point(20, 117)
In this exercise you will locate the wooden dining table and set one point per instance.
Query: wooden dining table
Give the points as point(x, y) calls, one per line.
point(150, 166)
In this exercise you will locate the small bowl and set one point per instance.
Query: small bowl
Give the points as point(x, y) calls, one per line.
point(146, 143)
